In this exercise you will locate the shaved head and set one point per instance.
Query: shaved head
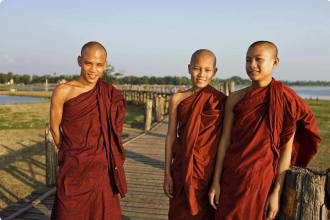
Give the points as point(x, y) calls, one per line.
point(269, 45)
point(92, 44)
point(201, 53)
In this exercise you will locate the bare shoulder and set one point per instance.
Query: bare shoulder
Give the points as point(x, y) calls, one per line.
point(176, 98)
point(235, 97)
point(62, 91)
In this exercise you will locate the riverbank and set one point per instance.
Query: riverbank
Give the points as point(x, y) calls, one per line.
point(22, 151)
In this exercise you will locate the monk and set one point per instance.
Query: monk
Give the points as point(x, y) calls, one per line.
point(267, 128)
point(195, 122)
point(86, 118)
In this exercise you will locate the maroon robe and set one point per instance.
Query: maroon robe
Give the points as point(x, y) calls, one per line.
point(264, 121)
point(199, 129)
point(91, 156)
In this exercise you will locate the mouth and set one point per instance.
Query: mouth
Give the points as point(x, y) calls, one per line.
point(253, 71)
point(201, 80)
point(92, 76)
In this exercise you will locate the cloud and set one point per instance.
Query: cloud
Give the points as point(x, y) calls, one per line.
point(1, 1)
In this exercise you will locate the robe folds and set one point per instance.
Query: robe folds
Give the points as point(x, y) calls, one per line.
point(264, 121)
point(91, 156)
point(199, 128)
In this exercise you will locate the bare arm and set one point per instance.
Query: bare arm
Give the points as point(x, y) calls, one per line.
point(170, 139)
point(56, 110)
point(272, 206)
point(225, 140)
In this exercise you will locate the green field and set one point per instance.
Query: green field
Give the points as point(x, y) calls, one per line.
point(321, 110)
point(36, 115)
point(22, 151)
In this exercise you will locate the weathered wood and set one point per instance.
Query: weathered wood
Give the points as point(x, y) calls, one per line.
point(51, 158)
point(303, 195)
point(159, 108)
point(226, 87)
point(327, 191)
point(221, 88)
point(232, 87)
point(167, 103)
point(46, 85)
point(148, 115)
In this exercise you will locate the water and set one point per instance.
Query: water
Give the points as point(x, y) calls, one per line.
point(6, 99)
point(313, 92)
point(310, 92)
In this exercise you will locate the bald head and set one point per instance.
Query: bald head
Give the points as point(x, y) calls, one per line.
point(92, 45)
point(267, 44)
point(202, 53)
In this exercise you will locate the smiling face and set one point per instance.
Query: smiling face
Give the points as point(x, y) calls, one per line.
point(202, 70)
point(260, 63)
point(93, 63)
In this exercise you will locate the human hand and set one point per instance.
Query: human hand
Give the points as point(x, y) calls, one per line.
point(214, 195)
point(272, 205)
point(168, 185)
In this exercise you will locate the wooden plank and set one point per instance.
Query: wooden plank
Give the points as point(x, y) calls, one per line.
point(144, 172)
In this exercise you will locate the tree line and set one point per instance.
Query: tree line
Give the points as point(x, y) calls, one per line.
point(117, 78)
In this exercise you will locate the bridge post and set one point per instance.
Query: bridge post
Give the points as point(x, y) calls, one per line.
point(232, 87)
point(159, 107)
point(51, 158)
point(148, 115)
point(226, 88)
point(304, 195)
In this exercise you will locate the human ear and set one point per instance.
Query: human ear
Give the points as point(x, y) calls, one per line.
point(276, 61)
point(79, 59)
point(189, 68)
point(215, 71)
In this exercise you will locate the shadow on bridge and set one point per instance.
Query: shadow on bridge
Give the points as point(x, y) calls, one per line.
point(145, 159)
point(22, 172)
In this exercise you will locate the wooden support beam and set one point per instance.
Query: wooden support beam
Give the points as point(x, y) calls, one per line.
point(148, 115)
point(51, 158)
point(303, 196)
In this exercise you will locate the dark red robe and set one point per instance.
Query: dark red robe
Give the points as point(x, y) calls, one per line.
point(264, 121)
point(199, 128)
point(91, 156)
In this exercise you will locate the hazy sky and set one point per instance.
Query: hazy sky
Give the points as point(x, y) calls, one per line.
point(156, 37)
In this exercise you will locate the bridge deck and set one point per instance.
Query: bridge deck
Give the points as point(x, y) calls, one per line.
point(144, 168)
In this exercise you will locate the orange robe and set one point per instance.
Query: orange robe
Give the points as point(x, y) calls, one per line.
point(91, 156)
point(264, 121)
point(199, 128)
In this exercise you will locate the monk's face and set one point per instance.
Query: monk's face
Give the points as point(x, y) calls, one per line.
point(93, 63)
point(260, 62)
point(202, 71)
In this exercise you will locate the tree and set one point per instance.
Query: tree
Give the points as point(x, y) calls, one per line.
point(108, 74)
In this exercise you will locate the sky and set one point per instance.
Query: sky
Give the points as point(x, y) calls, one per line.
point(157, 37)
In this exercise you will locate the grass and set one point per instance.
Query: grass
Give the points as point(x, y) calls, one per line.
point(321, 110)
point(40, 94)
point(22, 151)
point(36, 115)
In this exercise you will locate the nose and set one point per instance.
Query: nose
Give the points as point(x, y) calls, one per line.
point(201, 72)
point(252, 64)
point(93, 68)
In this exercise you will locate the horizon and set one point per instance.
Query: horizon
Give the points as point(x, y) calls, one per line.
point(157, 39)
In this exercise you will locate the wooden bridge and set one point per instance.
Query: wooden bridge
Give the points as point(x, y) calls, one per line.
point(144, 168)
